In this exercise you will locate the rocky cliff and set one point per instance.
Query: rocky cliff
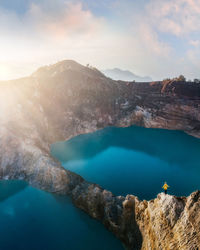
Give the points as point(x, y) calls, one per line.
point(66, 99)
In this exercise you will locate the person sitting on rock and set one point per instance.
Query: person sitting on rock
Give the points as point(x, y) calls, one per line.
point(165, 187)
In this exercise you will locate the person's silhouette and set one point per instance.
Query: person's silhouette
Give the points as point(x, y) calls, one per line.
point(165, 187)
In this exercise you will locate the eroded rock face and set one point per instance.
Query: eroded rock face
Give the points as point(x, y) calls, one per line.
point(171, 222)
point(167, 222)
point(63, 100)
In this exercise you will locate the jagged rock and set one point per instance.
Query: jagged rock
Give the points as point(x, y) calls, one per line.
point(63, 100)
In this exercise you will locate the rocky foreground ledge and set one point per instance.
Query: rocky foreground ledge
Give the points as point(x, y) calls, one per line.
point(63, 100)
point(167, 222)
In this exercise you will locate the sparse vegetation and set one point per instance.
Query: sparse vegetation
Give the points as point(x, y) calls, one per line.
point(181, 78)
point(197, 80)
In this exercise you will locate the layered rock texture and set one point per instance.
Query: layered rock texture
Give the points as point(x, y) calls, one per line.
point(66, 99)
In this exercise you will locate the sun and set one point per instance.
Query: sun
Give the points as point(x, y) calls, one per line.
point(5, 72)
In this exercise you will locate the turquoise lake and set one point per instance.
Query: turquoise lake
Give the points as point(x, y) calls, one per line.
point(134, 160)
point(31, 219)
point(130, 160)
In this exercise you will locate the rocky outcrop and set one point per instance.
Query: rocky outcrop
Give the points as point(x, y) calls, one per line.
point(170, 222)
point(167, 222)
point(60, 101)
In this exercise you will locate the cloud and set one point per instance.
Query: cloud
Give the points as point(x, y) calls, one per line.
point(149, 38)
point(123, 33)
point(46, 35)
point(70, 20)
point(195, 43)
point(194, 56)
point(70, 30)
point(164, 29)
point(178, 17)
point(38, 22)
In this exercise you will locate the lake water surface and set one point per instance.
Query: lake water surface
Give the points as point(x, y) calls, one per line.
point(123, 160)
point(134, 160)
point(31, 219)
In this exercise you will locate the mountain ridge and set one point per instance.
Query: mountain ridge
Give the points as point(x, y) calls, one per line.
point(64, 66)
point(125, 75)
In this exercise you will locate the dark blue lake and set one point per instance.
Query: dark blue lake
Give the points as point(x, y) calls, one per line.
point(31, 219)
point(123, 160)
point(134, 160)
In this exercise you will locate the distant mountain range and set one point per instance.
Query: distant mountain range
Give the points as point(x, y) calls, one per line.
point(125, 75)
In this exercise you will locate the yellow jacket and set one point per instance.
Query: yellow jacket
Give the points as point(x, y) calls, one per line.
point(165, 186)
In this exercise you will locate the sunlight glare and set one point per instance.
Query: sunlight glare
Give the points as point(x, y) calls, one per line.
point(5, 72)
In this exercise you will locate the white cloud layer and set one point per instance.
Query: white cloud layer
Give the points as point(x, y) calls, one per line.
point(50, 31)
point(42, 36)
point(178, 17)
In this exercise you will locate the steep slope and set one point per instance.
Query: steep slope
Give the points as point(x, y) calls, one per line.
point(67, 99)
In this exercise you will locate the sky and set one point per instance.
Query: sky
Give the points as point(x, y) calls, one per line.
point(156, 38)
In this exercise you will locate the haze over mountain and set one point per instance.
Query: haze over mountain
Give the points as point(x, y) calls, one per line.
point(125, 75)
